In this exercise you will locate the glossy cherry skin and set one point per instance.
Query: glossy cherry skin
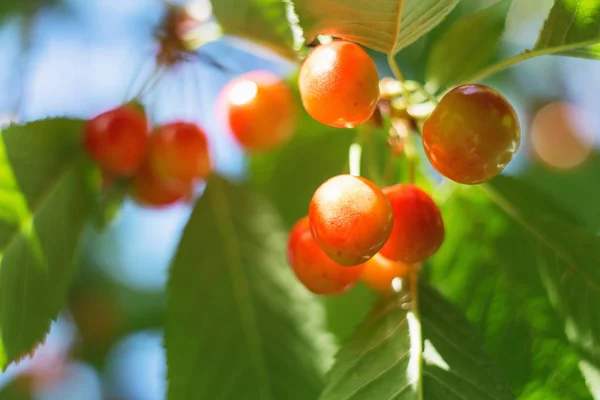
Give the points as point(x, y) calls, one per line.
point(350, 218)
point(418, 229)
point(339, 84)
point(379, 273)
point(179, 152)
point(260, 110)
point(472, 134)
point(151, 191)
point(319, 273)
point(117, 140)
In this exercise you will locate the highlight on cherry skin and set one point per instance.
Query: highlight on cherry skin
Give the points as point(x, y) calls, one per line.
point(384, 275)
point(472, 134)
point(313, 268)
point(350, 218)
point(418, 229)
point(117, 140)
point(179, 152)
point(339, 84)
point(260, 110)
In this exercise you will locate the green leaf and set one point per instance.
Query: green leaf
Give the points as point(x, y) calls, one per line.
point(16, 390)
point(45, 200)
point(567, 258)
point(467, 46)
point(562, 186)
point(289, 176)
point(261, 21)
point(345, 311)
point(382, 359)
point(239, 325)
point(383, 25)
point(10, 8)
point(572, 28)
point(493, 280)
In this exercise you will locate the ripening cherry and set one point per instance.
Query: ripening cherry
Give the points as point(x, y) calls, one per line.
point(339, 84)
point(472, 134)
point(260, 110)
point(319, 273)
point(179, 152)
point(418, 228)
point(151, 191)
point(350, 218)
point(117, 140)
point(380, 272)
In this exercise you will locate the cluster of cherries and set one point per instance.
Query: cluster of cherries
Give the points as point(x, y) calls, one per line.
point(258, 107)
point(353, 229)
point(356, 230)
point(163, 165)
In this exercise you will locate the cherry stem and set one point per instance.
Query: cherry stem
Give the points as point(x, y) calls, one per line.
point(526, 55)
point(354, 157)
point(414, 324)
point(410, 158)
point(388, 179)
point(398, 74)
point(353, 166)
point(405, 134)
point(151, 82)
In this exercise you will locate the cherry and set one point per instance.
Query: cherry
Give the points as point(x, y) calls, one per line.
point(151, 191)
point(418, 228)
point(339, 84)
point(179, 152)
point(117, 140)
point(472, 134)
point(260, 109)
point(350, 218)
point(379, 272)
point(313, 267)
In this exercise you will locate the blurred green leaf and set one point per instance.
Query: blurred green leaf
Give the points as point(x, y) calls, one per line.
point(110, 203)
point(381, 360)
point(10, 8)
point(573, 28)
point(290, 175)
point(239, 325)
point(45, 199)
point(567, 258)
point(262, 21)
point(574, 190)
point(345, 311)
point(493, 279)
point(383, 25)
point(16, 390)
point(467, 46)
point(106, 310)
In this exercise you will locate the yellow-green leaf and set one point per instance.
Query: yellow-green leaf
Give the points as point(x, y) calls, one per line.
point(383, 25)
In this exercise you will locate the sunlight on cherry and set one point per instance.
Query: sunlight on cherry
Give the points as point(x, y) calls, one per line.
point(243, 93)
point(326, 59)
point(562, 135)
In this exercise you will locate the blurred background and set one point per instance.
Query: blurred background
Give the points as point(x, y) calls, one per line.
point(77, 58)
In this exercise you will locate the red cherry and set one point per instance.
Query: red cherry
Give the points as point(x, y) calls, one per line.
point(472, 134)
point(339, 84)
point(117, 140)
point(260, 109)
point(350, 218)
point(151, 191)
point(418, 228)
point(379, 273)
point(179, 152)
point(313, 267)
